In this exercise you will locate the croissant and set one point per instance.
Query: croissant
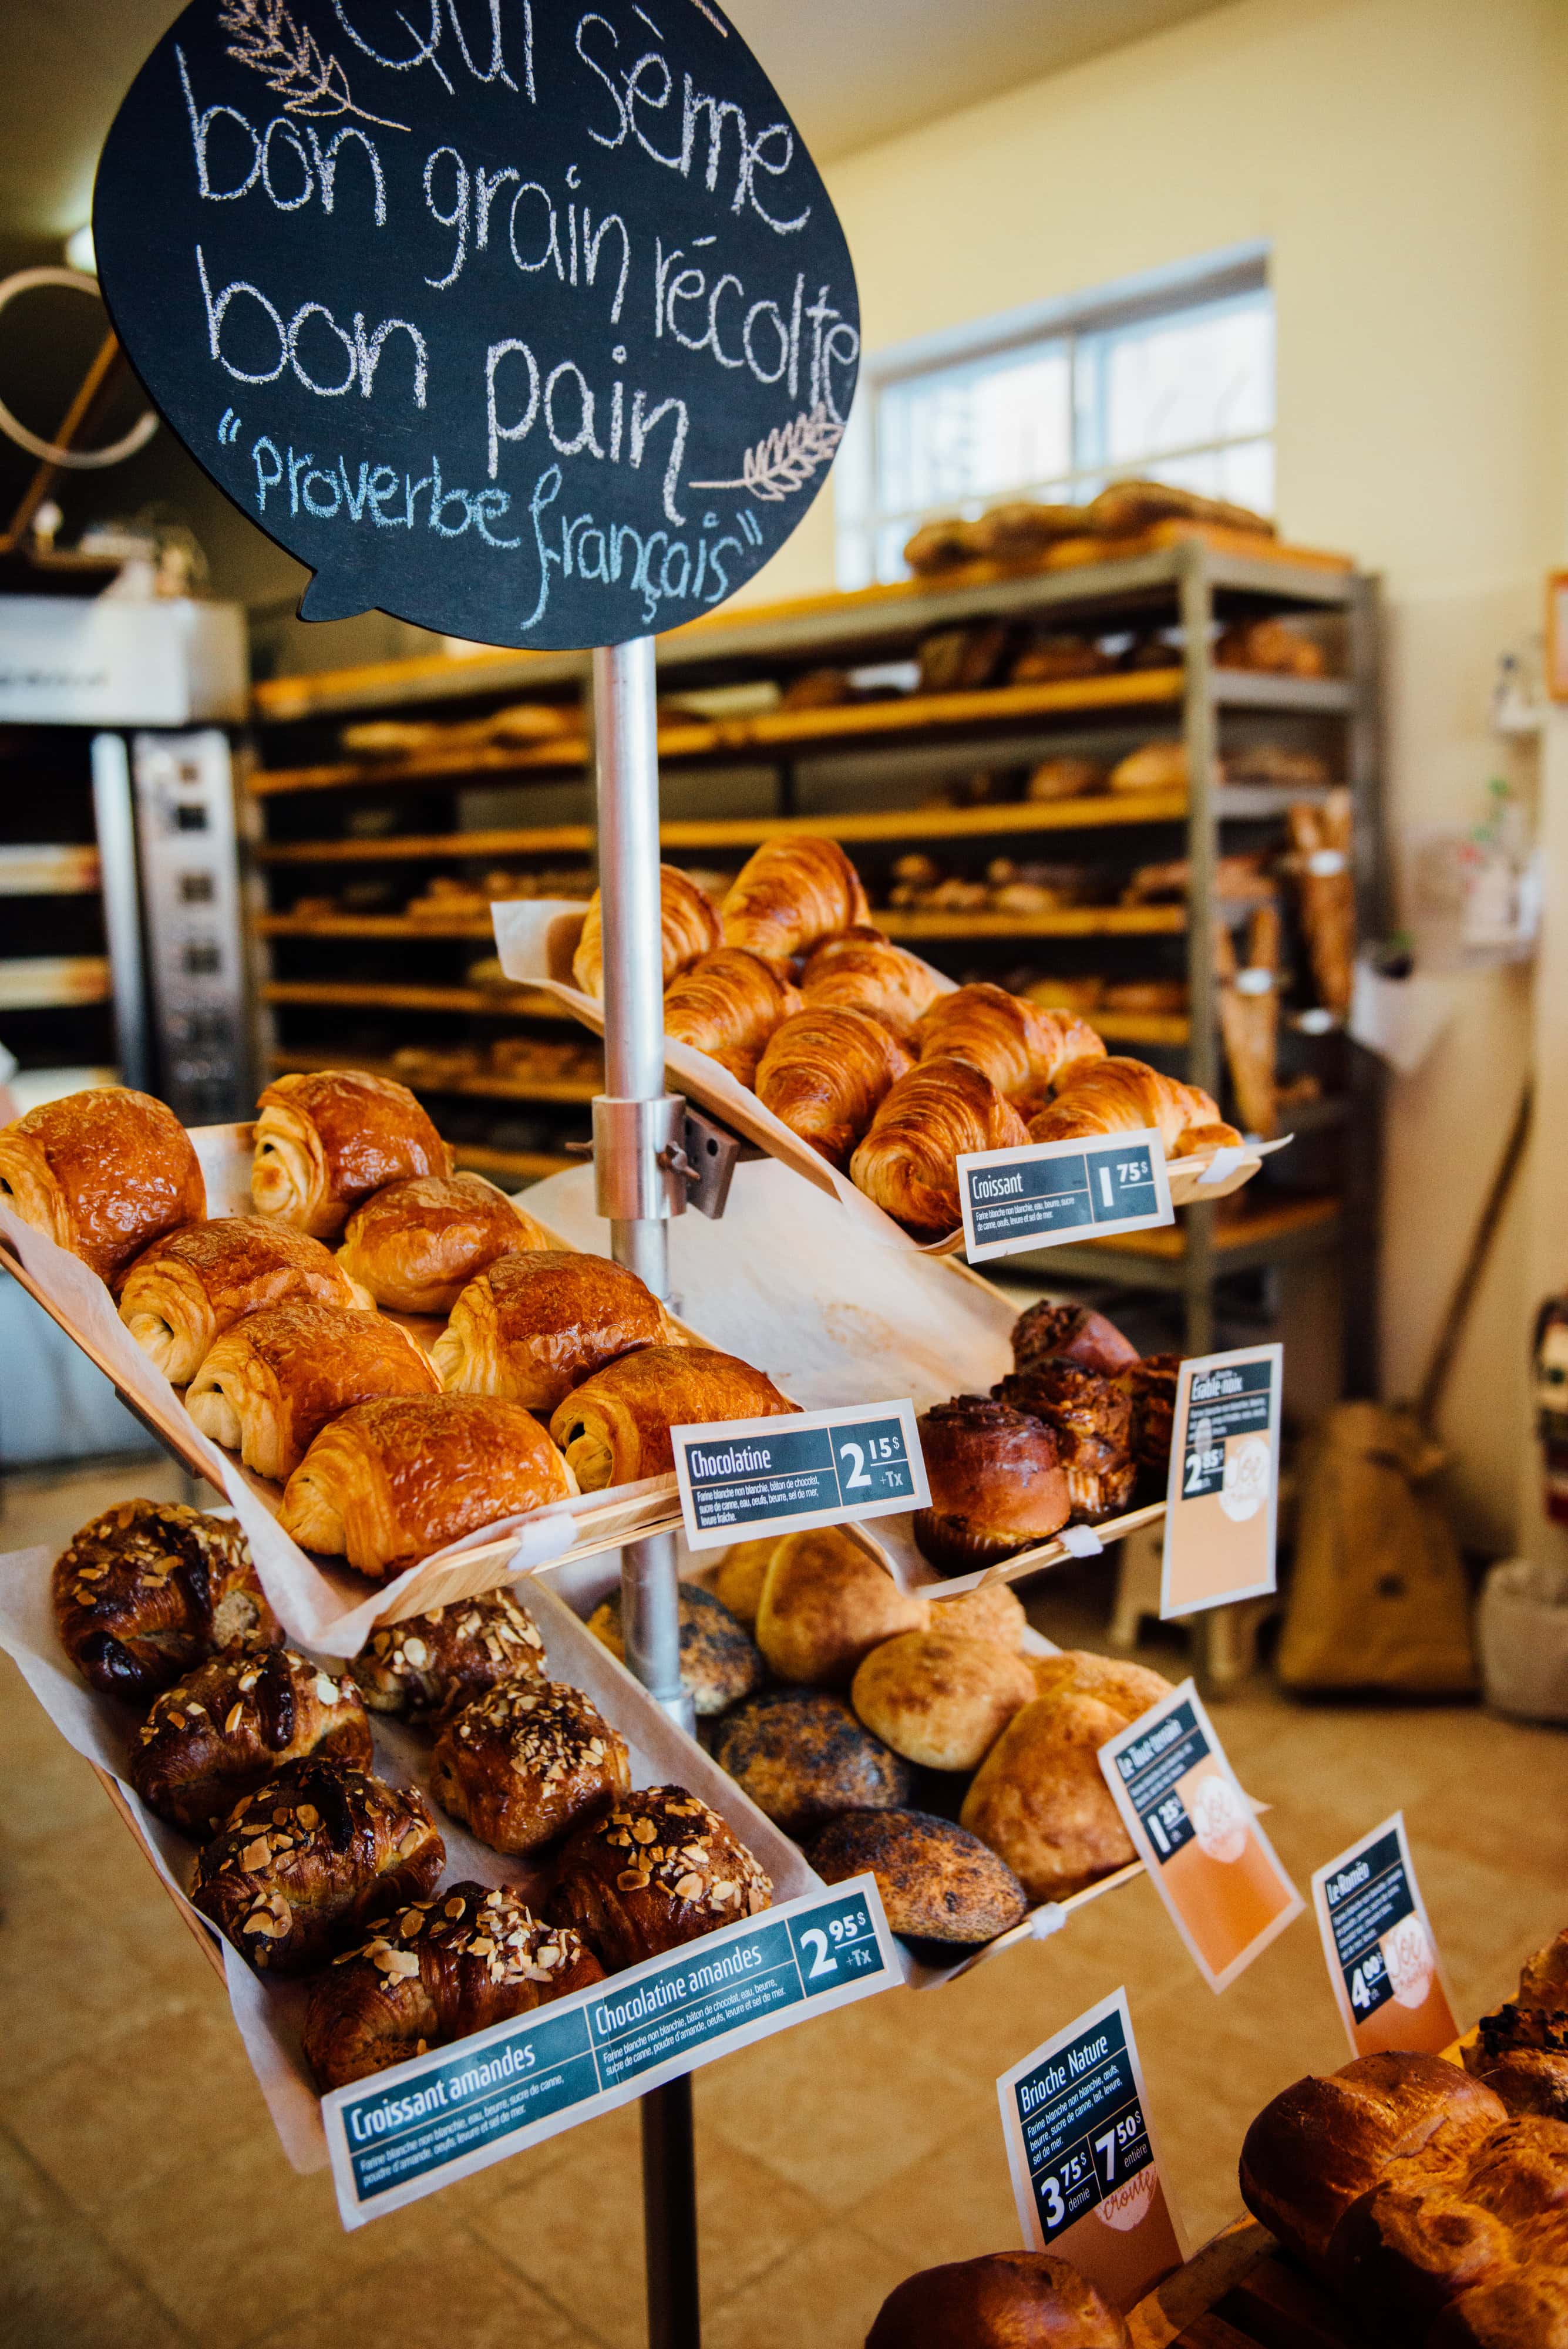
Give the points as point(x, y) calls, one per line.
point(615, 1428)
point(268, 1388)
point(689, 925)
point(415, 1245)
point(396, 1479)
point(438, 1661)
point(324, 1142)
point(1118, 1096)
point(791, 894)
point(301, 1863)
point(445, 1967)
point(180, 1295)
point(657, 1870)
point(101, 1174)
point(533, 1327)
point(823, 1074)
point(527, 1761)
point(862, 971)
point(150, 1589)
point(936, 1114)
point(727, 1006)
point(236, 1721)
point(1022, 1048)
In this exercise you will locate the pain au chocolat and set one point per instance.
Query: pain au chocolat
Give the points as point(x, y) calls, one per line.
point(526, 1761)
point(180, 1295)
point(415, 1245)
point(102, 1174)
point(276, 1379)
point(657, 1869)
point(533, 1327)
point(325, 1141)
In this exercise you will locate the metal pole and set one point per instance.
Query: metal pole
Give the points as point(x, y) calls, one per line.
point(637, 1125)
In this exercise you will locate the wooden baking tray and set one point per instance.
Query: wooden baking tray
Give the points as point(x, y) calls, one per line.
point(537, 938)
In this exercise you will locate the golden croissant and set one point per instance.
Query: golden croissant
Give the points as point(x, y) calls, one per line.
point(727, 1006)
point(863, 971)
point(688, 927)
point(825, 1074)
point(1021, 1047)
point(933, 1116)
point(1118, 1096)
point(790, 895)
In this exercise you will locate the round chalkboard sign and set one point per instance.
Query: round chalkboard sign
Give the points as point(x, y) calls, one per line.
point(526, 320)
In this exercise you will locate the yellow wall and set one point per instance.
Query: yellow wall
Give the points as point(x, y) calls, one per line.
point(1398, 156)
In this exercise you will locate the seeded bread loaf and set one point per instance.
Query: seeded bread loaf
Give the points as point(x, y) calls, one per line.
point(720, 1662)
point(802, 1757)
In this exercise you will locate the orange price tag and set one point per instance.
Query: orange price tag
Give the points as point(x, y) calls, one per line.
point(1383, 1961)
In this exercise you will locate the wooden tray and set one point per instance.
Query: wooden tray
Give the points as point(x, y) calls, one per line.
point(1240, 2291)
point(540, 935)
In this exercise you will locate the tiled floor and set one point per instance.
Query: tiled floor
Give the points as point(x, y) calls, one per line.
point(144, 2203)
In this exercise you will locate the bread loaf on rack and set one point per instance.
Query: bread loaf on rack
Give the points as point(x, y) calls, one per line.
point(301, 1863)
point(394, 1480)
point(689, 926)
point(938, 1882)
point(825, 1072)
point(907, 1162)
point(728, 1005)
point(526, 1761)
point(435, 1662)
point(864, 971)
point(233, 1723)
point(414, 1245)
point(1024, 1050)
point(789, 896)
point(720, 1660)
point(1120, 1096)
point(614, 1427)
point(274, 1381)
point(533, 1326)
point(442, 1968)
point(1004, 2299)
point(102, 1174)
point(802, 1757)
point(325, 1141)
point(630, 1892)
point(180, 1295)
point(150, 1589)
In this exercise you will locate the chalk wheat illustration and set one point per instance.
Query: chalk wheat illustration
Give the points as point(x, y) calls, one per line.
point(787, 458)
point(264, 35)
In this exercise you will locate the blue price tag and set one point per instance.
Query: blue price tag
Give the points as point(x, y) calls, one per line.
point(740, 1480)
point(1053, 1192)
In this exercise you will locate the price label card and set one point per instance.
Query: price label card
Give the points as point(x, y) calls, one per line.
point(1382, 1959)
point(1085, 2168)
point(747, 1478)
point(435, 2120)
point(1222, 1499)
point(1055, 1191)
point(1214, 1867)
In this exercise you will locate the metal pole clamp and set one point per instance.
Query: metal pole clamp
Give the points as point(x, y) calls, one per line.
point(640, 1159)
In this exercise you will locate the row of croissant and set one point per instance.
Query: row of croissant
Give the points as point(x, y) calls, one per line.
point(860, 1048)
point(314, 1865)
point(557, 1373)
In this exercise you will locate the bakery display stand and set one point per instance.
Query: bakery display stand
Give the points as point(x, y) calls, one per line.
point(640, 1183)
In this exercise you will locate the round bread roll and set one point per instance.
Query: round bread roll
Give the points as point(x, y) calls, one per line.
point(941, 1699)
point(992, 1612)
point(739, 1577)
point(802, 1757)
point(1038, 1797)
point(719, 1661)
point(1005, 2300)
point(1128, 1688)
point(827, 1603)
point(938, 1882)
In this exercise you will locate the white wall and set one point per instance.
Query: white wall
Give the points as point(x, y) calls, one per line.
point(1401, 158)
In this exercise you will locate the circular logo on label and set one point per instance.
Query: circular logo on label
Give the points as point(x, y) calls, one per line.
point(1246, 1485)
point(1411, 1962)
point(1123, 2207)
point(1219, 1820)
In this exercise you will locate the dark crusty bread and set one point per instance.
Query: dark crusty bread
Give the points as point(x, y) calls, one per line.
point(802, 1757)
point(938, 1882)
point(1005, 2300)
point(720, 1660)
point(1531, 2080)
point(1328, 2140)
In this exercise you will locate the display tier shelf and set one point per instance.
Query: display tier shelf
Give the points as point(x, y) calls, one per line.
point(359, 830)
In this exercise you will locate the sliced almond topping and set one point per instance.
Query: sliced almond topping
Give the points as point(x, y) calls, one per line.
point(410, 1842)
point(401, 1965)
point(632, 1880)
point(235, 1714)
point(327, 1691)
point(643, 1830)
point(307, 1817)
point(689, 1887)
point(724, 1893)
point(415, 1651)
point(256, 1855)
point(454, 1906)
point(411, 1922)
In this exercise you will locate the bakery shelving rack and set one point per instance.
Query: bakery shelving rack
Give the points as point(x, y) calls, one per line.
point(732, 776)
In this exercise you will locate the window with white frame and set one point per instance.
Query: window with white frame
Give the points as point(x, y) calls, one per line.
point(1171, 380)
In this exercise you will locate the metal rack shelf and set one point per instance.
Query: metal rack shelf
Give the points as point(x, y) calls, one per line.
point(526, 1002)
point(576, 1090)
